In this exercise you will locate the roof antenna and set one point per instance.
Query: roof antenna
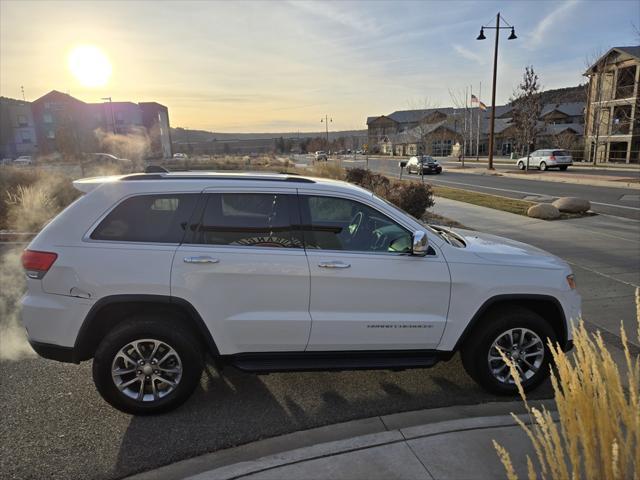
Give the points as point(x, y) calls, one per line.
point(155, 169)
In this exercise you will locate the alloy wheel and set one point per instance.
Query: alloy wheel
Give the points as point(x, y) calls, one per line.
point(146, 370)
point(523, 347)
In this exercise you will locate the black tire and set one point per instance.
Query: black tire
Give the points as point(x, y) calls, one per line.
point(543, 166)
point(564, 167)
point(521, 166)
point(475, 350)
point(141, 327)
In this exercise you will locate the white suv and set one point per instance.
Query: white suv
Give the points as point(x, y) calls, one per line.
point(148, 272)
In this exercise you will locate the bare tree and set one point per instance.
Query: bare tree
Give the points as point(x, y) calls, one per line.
point(526, 109)
point(424, 128)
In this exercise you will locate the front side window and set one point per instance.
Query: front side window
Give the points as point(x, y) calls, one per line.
point(249, 219)
point(148, 218)
point(331, 223)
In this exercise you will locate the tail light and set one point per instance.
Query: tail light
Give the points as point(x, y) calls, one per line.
point(36, 264)
point(552, 157)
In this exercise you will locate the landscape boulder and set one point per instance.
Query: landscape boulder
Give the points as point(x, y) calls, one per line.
point(572, 204)
point(544, 211)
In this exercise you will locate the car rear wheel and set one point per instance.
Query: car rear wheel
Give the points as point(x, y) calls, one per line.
point(521, 165)
point(543, 166)
point(523, 336)
point(147, 365)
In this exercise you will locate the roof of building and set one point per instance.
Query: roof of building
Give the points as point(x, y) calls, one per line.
point(412, 116)
point(555, 129)
point(573, 109)
point(58, 95)
point(633, 50)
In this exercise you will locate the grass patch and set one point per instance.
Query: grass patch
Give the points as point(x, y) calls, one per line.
point(511, 205)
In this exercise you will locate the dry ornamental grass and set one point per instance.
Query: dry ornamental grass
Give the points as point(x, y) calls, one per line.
point(598, 432)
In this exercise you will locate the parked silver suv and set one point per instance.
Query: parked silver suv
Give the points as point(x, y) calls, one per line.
point(544, 159)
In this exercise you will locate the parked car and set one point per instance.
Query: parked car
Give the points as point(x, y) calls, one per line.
point(99, 161)
point(147, 273)
point(547, 158)
point(423, 164)
point(180, 156)
point(321, 156)
point(23, 160)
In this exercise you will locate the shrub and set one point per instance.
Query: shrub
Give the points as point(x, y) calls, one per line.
point(598, 435)
point(328, 170)
point(377, 183)
point(412, 197)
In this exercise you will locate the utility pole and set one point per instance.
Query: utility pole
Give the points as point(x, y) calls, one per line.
point(495, 76)
point(113, 119)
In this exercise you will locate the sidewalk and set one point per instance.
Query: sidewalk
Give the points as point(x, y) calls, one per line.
point(443, 443)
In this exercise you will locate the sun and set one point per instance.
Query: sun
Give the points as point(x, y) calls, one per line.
point(90, 66)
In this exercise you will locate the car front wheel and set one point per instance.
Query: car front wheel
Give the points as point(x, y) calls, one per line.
point(521, 165)
point(522, 335)
point(147, 365)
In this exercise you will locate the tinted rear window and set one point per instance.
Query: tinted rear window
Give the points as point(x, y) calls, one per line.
point(250, 219)
point(560, 153)
point(148, 218)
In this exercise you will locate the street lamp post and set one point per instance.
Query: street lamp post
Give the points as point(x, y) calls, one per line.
point(513, 36)
point(326, 121)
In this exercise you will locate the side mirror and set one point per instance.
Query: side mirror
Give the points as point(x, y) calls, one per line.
point(419, 244)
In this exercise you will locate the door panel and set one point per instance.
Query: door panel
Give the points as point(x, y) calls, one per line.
point(365, 295)
point(246, 273)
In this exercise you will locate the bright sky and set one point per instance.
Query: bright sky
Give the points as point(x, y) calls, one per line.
point(280, 66)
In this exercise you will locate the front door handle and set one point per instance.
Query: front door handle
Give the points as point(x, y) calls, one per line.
point(201, 259)
point(334, 265)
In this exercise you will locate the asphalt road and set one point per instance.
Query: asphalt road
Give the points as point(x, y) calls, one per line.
point(621, 202)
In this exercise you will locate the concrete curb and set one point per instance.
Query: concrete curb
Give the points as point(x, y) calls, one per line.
point(545, 178)
point(340, 438)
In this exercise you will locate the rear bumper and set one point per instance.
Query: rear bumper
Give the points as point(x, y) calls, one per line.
point(54, 352)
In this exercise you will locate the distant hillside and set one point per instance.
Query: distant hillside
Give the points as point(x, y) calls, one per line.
point(564, 95)
point(192, 136)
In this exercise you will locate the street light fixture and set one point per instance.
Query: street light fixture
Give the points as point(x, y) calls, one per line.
point(513, 36)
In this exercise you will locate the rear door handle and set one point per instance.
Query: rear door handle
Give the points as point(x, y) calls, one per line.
point(334, 265)
point(201, 259)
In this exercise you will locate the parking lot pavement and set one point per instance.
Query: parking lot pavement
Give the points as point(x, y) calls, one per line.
point(54, 424)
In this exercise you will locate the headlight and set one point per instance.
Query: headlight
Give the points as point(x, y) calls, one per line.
point(571, 280)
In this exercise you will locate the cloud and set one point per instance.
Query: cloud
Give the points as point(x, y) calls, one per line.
point(329, 10)
point(539, 33)
point(468, 54)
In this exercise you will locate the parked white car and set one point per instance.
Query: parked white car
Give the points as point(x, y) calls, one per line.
point(547, 158)
point(180, 156)
point(23, 160)
point(148, 272)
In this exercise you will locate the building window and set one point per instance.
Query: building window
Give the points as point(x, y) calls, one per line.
point(47, 118)
point(22, 121)
point(51, 134)
point(26, 137)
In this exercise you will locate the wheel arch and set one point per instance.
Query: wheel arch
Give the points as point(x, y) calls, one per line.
point(108, 312)
point(547, 306)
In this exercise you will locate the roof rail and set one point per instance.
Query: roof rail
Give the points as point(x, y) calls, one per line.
point(263, 178)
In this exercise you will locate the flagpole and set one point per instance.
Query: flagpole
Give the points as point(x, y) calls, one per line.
point(478, 132)
point(471, 121)
point(464, 128)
